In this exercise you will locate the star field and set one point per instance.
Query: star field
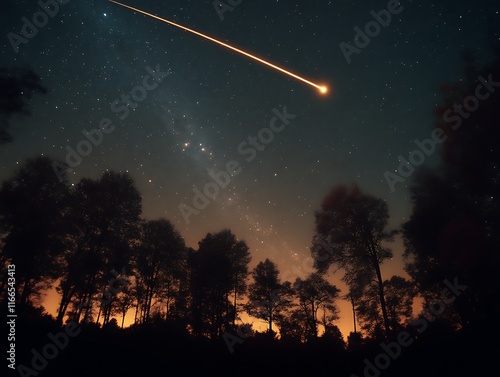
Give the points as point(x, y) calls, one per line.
point(93, 52)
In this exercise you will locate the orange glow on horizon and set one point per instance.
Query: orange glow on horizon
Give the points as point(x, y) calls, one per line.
point(322, 89)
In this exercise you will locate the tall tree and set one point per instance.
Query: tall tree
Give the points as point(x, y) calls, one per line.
point(124, 302)
point(34, 205)
point(267, 296)
point(452, 232)
point(105, 219)
point(158, 262)
point(357, 281)
point(316, 293)
point(239, 258)
point(209, 287)
point(218, 269)
point(293, 325)
point(352, 228)
point(109, 298)
point(399, 294)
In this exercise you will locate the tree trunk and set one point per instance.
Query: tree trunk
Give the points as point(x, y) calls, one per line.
point(88, 308)
point(107, 310)
point(149, 295)
point(234, 314)
point(166, 308)
point(23, 298)
point(147, 314)
point(87, 297)
point(63, 306)
point(136, 312)
point(99, 316)
point(382, 299)
point(314, 328)
point(353, 313)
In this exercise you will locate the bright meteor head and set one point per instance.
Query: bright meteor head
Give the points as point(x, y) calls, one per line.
point(322, 89)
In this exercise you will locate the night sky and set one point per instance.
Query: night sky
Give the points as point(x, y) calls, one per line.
point(91, 53)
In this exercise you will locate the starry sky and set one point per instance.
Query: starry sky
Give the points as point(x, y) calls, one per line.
point(91, 53)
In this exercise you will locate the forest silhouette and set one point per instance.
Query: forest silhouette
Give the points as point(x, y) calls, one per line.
point(90, 243)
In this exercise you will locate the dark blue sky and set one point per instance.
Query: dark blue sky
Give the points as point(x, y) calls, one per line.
point(91, 53)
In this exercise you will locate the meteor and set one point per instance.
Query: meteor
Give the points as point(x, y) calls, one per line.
point(322, 88)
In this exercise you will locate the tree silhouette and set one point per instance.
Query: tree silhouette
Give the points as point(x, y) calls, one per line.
point(453, 229)
point(332, 337)
point(34, 206)
point(158, 263)
point(178, 310)
point(118, 287)
point(217, 269)
point(124, 302)
point(209, 285)
point(399, 294)
point(239, 258)
point(104, 218)
point(293, 326)
point(267, 297)
point(357, 281)
point(17, 86)
point(369, 313)
point(316, 293)
point(351, 227)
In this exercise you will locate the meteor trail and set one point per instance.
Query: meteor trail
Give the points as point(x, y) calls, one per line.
point(322, 88)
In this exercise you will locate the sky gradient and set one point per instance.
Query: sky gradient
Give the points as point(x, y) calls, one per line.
point(93, 55)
